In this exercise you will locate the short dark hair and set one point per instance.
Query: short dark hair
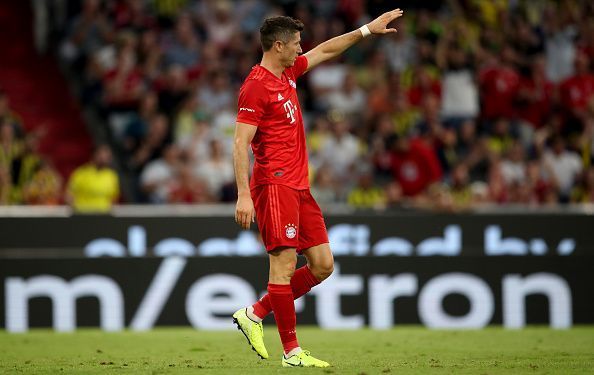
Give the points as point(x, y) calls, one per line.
point(278, 28)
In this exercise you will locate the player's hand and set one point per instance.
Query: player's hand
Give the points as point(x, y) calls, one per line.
point(245, 214)
point(380, 24)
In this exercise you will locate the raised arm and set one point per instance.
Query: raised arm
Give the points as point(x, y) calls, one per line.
point(337, 45)
point(244, 211)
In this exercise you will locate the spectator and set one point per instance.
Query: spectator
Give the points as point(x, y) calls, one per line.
point(182, 47)
point(216, 95)
point(500, 138)
point(513, 166)
point(560, 33)
point(186, 121)
point(584, 191)
point(187, 188)
point(94, 187)
point(366, 195)
point(459, 89)
point(374, 71)
point(499, 85)
point(403, 114)
point(324, 187)
point(138, 124)
point(541, 182)
point(460, 188)
point(534, 100)
point(197, 147)
point(44, 187)
point(393, 194)
point(577, 91)
point(123, 84)
point(565, 166)
point(152, 145)
point(350, 99)
point(89, 31)
point(423, 84)
point(221, 26)
point(414, 165)
point(341, 149)
point(173, 89)
point(216, 171)
point(24, 166)
point(317, 138)
point(400, 49)
point(158, 175)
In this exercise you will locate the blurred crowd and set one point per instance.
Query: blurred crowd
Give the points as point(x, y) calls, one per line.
point(470, 102)
point(28, 177)
point(25, 176)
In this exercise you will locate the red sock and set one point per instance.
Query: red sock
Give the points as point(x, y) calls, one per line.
point(281, 299)
point(301, 283)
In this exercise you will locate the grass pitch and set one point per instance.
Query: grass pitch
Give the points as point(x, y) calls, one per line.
point(403, 350)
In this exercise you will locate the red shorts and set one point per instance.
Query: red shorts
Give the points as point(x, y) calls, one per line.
point(288, 217)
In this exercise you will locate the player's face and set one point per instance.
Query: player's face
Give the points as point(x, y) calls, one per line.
point(291, 50)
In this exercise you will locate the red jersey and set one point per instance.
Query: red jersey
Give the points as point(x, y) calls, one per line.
point(416, 168)
point(271, 104)
point(536, 110)
point(498, 91)
point(576, 91)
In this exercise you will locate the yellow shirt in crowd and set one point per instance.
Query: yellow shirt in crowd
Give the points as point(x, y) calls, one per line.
point(92, 189)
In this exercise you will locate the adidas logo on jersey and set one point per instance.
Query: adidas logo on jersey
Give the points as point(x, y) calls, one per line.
point(280, 97)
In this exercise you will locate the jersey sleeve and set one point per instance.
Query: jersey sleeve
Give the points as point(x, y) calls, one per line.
point(300, 66)
point(252, 102)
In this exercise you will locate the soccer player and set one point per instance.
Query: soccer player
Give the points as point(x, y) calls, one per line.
point(290, 221)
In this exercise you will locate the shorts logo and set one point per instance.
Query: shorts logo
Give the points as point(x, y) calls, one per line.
point(291, 230)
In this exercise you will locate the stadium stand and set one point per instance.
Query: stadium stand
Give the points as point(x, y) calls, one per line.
point(470, 103)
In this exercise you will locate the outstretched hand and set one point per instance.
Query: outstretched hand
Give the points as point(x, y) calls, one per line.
point(380, 24)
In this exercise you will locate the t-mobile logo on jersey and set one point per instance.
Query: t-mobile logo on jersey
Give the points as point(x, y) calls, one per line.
point(290, 109)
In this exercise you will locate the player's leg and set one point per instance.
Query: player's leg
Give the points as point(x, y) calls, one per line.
point(320, 264)
point(278, 222)
point(320, 261)
point(313, 243)
point(282, 268)
point(302, 281)
point(313, 240)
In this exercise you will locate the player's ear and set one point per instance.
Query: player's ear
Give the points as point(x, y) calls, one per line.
point(278, 45)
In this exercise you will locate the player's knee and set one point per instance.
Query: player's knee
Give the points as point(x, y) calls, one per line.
point(282, 269)
point(323, 270)
point(283, 274)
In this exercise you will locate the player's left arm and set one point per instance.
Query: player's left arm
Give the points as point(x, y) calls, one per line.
point(337, 45)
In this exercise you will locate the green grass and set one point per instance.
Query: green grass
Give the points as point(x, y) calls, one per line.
point(406, 350)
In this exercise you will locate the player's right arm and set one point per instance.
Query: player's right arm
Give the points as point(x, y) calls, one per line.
point(251, 106)
point(244, 211)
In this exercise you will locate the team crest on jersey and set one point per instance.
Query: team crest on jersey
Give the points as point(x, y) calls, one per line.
point(292, 83)
point(290, 230)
